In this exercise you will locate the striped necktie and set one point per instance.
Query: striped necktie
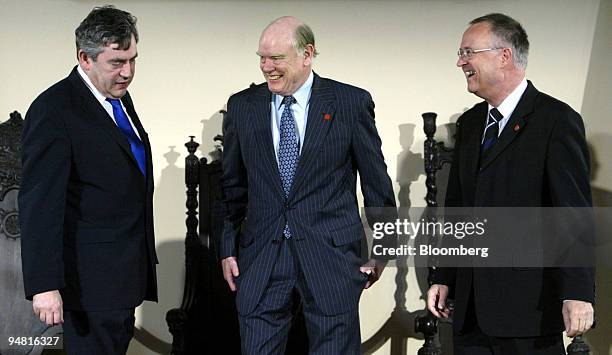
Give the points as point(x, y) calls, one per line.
point(491, 130)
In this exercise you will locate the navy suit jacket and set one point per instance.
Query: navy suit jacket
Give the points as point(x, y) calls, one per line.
point(85, 208)
point(321, 209)
point(540, 160)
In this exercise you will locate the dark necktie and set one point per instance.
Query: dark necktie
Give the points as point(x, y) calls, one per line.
point(288, 151)
point(492, 130)
point(124, 125)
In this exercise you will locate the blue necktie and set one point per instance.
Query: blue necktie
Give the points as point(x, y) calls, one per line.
point(288, 150)
point(492, 129)
point(124, 125)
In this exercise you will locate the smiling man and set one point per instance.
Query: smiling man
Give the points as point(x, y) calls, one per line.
point(85, 201)
point(292, 150)
point(518, 148)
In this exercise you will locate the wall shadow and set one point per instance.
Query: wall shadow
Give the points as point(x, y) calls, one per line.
point(599, 338)
point(596, 110)
point(409, 164)
point(169, 202)
point(409, 168)
point(211, 127)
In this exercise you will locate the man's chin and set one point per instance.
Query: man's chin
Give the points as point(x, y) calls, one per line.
point(117, 94)
point(274, 91)
point(276, 88)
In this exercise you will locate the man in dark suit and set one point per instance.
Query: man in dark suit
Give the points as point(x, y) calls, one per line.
point(292, 150)
point(86, 195)
point(518, 148)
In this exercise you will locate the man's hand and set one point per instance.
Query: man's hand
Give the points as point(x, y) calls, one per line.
point(577, 316)
point(436, 300)
point(374, 268)
point(230, 271)
point(48, 307)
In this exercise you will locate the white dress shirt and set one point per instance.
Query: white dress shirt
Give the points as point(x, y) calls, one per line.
point(299, 109)
point(102, 99)
point(506, 108)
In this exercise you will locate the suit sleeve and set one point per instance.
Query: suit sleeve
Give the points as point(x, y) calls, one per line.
point(568, 177)
point(46, 160)
point(234, 182)
point(376, 185)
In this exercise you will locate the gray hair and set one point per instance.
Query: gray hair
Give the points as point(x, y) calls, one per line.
point(508, 32)
point(302, 37)
point(104, 26)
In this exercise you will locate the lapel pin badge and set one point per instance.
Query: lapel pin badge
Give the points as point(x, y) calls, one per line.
point(516, 127)
point(327, 117)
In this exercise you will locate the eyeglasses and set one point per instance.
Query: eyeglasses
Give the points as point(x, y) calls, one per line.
point(468, 53)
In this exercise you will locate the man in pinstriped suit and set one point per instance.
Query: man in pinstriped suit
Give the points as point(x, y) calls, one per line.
point(292, 150)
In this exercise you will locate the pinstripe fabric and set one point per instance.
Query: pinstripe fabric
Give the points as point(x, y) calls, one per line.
point(265, 330)
point(321, 208)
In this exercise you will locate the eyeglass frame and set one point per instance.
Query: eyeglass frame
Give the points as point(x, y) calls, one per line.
point(468, 53)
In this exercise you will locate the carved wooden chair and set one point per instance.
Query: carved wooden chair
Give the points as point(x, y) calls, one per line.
point(207, 320)
point(16, 316)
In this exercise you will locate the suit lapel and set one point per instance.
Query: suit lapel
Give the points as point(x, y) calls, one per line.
point(320, 118)
point(262, 123)
point(514, 126)
point(129, 106)
point(473, 126)
point(98, 114)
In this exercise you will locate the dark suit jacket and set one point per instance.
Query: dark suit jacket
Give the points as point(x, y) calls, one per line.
point(322, 210)
point(540, 160)
point(86, 210)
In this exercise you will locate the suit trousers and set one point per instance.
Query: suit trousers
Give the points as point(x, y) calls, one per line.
point(471, 340)
point(98, 333)
point(266, 329)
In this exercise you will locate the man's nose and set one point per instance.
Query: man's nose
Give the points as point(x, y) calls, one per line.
point(461, 62)
point(127, 70)
point(267, 65)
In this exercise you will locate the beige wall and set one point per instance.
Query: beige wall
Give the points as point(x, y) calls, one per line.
point(597, 103)
point(194, 54)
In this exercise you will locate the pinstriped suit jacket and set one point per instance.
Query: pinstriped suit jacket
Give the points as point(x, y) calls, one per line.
point(321, 209)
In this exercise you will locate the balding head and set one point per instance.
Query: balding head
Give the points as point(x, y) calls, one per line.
point(300, 34)
point(285, 22)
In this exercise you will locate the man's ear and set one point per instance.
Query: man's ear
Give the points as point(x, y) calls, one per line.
point(308, 54)
point(506, 56)
point(84, 60)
